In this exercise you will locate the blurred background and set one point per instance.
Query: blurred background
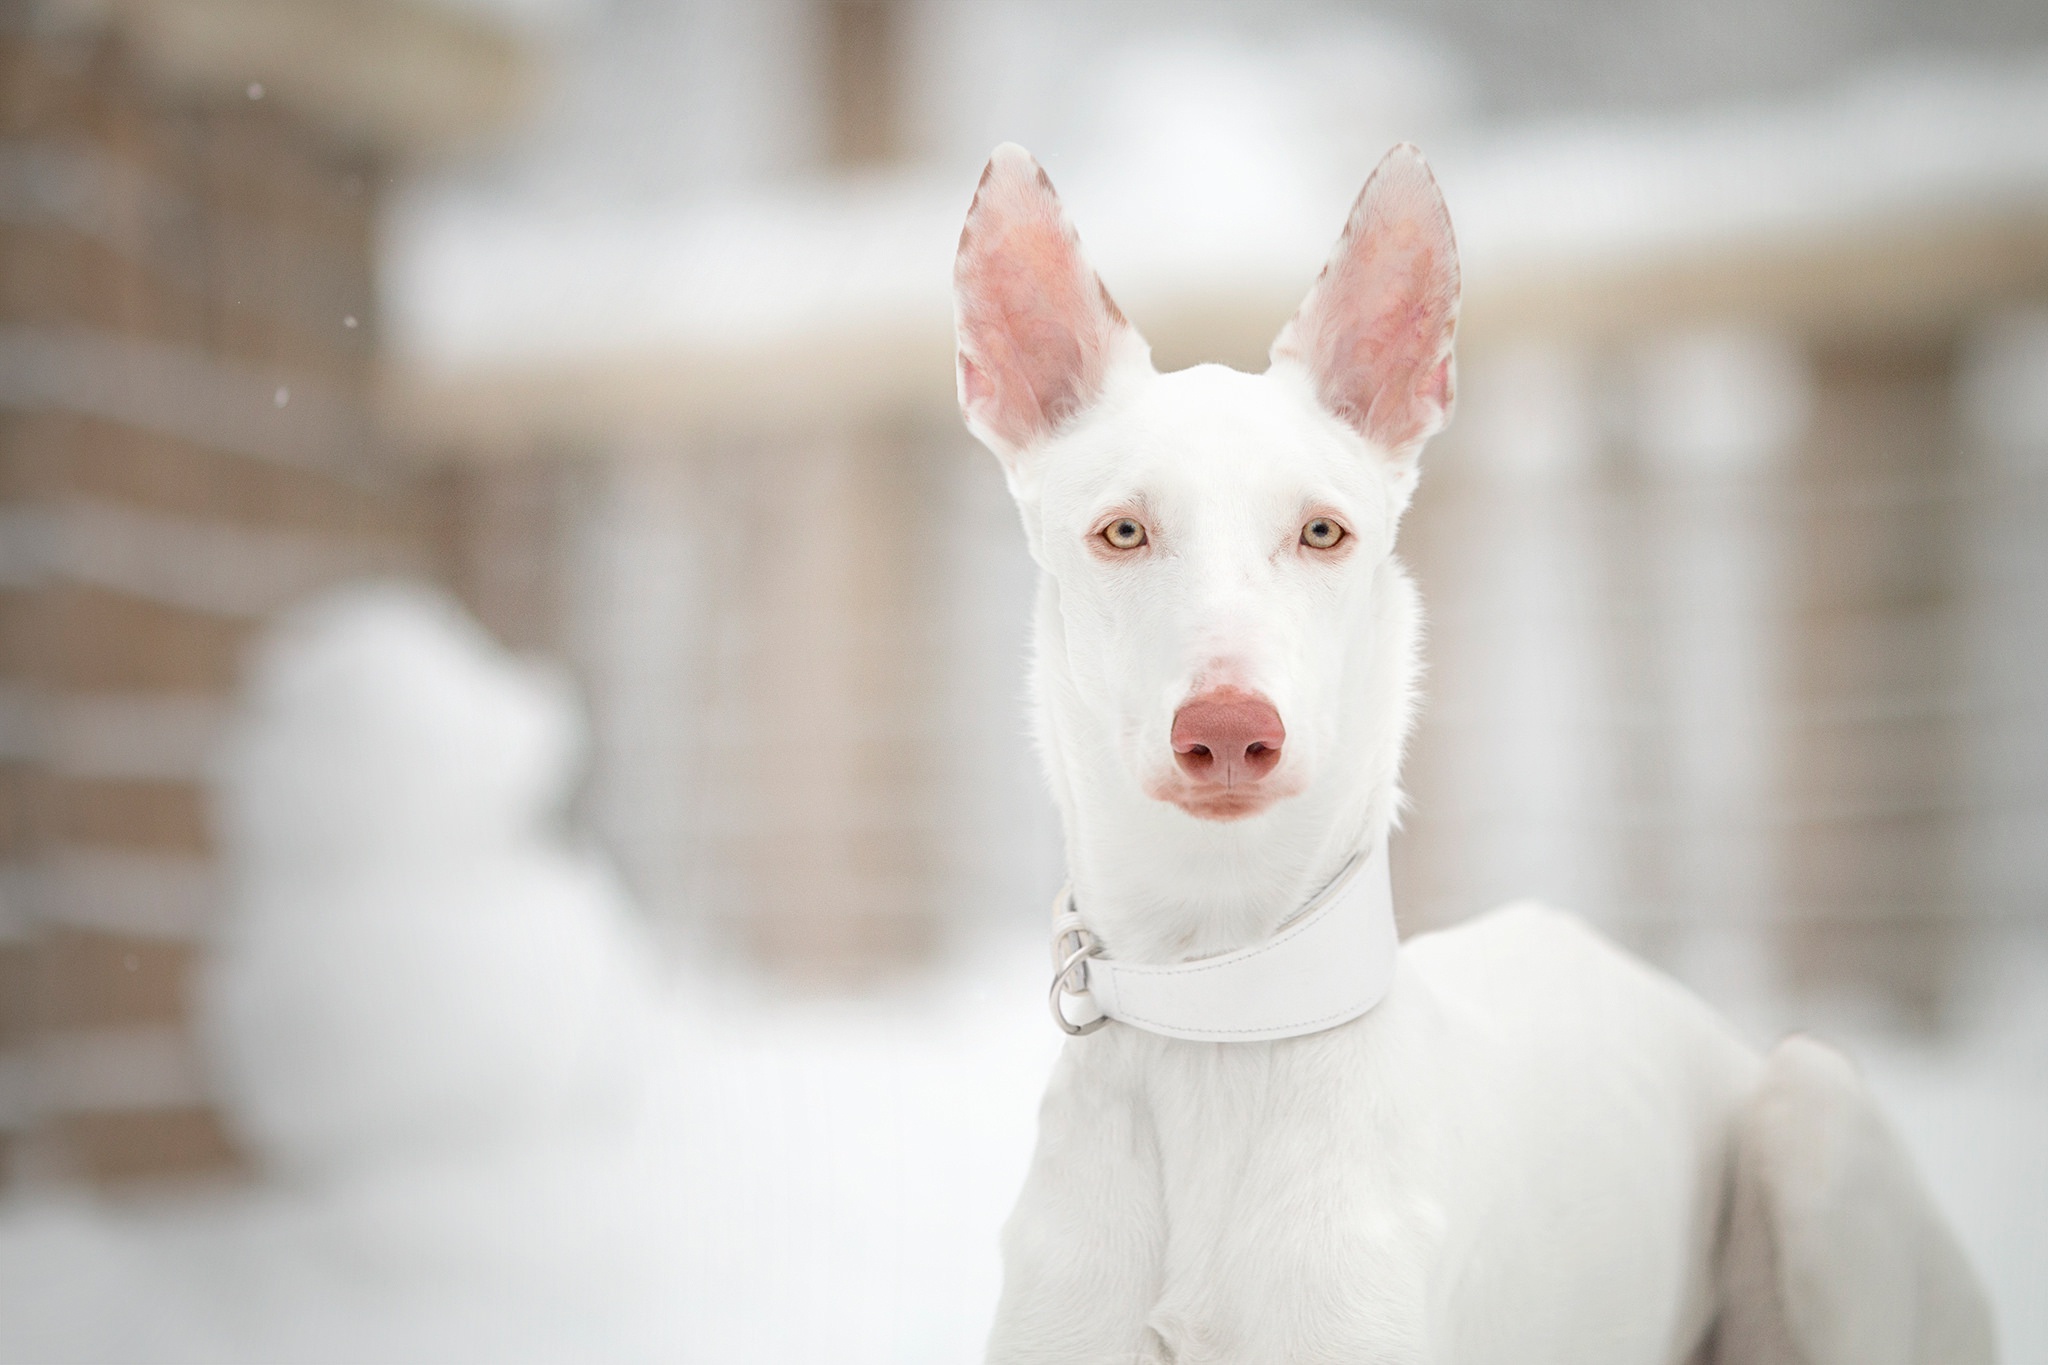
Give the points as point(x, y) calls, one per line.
point(412, 408)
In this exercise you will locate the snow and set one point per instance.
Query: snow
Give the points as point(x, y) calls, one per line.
point(801, 1181)
point(1241, 186)
point(1893, 146)
point(1976, 1117)
point(798, 1181)
point(415, 959)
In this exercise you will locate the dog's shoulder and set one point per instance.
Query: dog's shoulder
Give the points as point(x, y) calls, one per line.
point(1533, 968)
point(1534, 921)
point(1521, 939)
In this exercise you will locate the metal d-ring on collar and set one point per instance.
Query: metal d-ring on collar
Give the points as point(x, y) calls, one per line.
point(1072, 946)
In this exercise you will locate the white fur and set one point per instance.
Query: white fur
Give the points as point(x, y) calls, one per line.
point(1525, 1153)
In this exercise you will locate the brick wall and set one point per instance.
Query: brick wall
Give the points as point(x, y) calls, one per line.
point(187, 333)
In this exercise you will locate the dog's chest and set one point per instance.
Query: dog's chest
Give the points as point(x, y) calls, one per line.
point(1293, 1226)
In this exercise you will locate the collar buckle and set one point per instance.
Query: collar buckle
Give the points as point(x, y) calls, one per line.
point(1072, 946)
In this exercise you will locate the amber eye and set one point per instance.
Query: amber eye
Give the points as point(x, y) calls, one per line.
point(1321, 534)
point(1124, 534)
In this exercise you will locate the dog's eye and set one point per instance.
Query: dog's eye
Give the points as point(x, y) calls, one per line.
point(1321, 534)
point(1124, 534)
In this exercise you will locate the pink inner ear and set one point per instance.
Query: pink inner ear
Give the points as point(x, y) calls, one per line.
point(1035, 325)
point(975, 388)
point(1376, 330)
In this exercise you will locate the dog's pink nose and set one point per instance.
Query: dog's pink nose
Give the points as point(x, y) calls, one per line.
point(1228, 737)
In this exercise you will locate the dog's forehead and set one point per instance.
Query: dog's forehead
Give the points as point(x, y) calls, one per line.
point(1211, 432)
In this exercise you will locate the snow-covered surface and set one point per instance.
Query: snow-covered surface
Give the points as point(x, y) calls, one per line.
point(800, 1182)
point(806, 1181)
point(1975, 1112)
point(1896, 145)
point(1236, 194)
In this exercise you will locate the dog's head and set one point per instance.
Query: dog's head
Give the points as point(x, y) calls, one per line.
point(1212, 541)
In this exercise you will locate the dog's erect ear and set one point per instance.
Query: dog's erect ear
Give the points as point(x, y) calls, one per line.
point(1037, 333)
point(1375, 332)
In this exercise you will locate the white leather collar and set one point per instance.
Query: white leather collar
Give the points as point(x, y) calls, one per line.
point(1327, 965)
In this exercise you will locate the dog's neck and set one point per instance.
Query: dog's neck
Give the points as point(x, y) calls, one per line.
point(1158, 885)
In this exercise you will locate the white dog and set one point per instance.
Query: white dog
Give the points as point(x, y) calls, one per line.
point(1518, 1145)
